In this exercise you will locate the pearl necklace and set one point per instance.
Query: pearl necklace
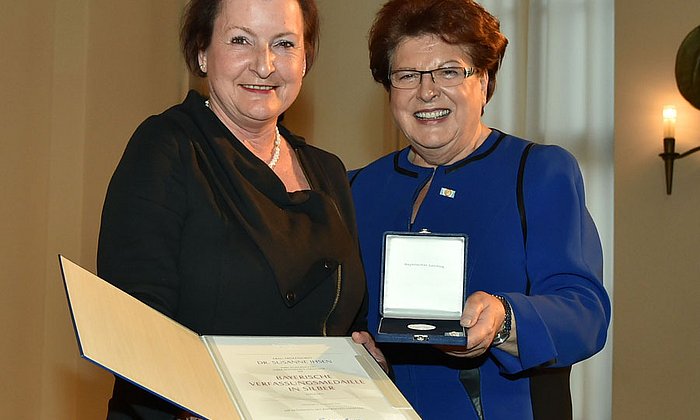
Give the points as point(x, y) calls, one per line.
point(275, 151)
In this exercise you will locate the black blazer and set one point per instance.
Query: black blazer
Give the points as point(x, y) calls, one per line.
point(200, 229)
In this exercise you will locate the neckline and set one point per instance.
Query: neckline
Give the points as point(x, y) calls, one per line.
point(484, 149)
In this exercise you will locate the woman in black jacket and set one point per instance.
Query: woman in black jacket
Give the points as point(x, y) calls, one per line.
point(218, 216)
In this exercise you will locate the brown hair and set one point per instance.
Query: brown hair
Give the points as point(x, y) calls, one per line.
point(457, 22)
point(198, 26)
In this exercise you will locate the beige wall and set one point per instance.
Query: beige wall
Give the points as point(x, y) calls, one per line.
point(24, 161)
point(79, 75)
point(656, 367)
point(341, 108)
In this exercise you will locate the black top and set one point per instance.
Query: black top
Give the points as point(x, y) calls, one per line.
point(200, 229)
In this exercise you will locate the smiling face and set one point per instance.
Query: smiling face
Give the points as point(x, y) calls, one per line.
point(255, 62)
point(443, 124)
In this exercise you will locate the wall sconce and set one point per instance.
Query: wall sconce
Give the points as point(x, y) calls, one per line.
point(670, 155)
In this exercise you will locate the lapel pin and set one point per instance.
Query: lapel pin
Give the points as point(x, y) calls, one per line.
point(446, 192)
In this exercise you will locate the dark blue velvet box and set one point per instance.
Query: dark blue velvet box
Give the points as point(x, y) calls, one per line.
point(423, 289)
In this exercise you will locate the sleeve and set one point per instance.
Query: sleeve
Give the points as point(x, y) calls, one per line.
point(338, 175)
point(143, 216)
point(564, 317)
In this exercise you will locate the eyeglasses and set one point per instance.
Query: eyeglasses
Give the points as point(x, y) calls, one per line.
point(444, 76)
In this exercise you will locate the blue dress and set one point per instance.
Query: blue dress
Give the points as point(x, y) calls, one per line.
point(554, 284)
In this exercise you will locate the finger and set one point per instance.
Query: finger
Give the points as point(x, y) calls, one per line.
point(473, 352)
point(364, 338)
point(470, 315)
point(361, 337)
point(473, 308)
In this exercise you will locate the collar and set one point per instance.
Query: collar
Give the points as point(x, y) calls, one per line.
point(194, 102)
point(404, 166)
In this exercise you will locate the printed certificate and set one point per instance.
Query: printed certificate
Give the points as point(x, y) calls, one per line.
point(306, 378)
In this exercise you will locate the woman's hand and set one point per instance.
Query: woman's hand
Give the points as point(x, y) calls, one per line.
point(364, 338)
point(483, 316)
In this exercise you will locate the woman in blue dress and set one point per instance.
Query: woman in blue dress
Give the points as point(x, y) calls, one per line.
point(536, 303)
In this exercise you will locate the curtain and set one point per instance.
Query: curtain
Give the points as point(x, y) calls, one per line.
point(556, 86)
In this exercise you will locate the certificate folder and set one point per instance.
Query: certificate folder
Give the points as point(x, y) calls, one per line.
point(423, 289)
point(226, 377)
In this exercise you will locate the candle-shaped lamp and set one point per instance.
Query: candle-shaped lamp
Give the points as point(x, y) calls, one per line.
point(669, 154)
point(669, 122)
